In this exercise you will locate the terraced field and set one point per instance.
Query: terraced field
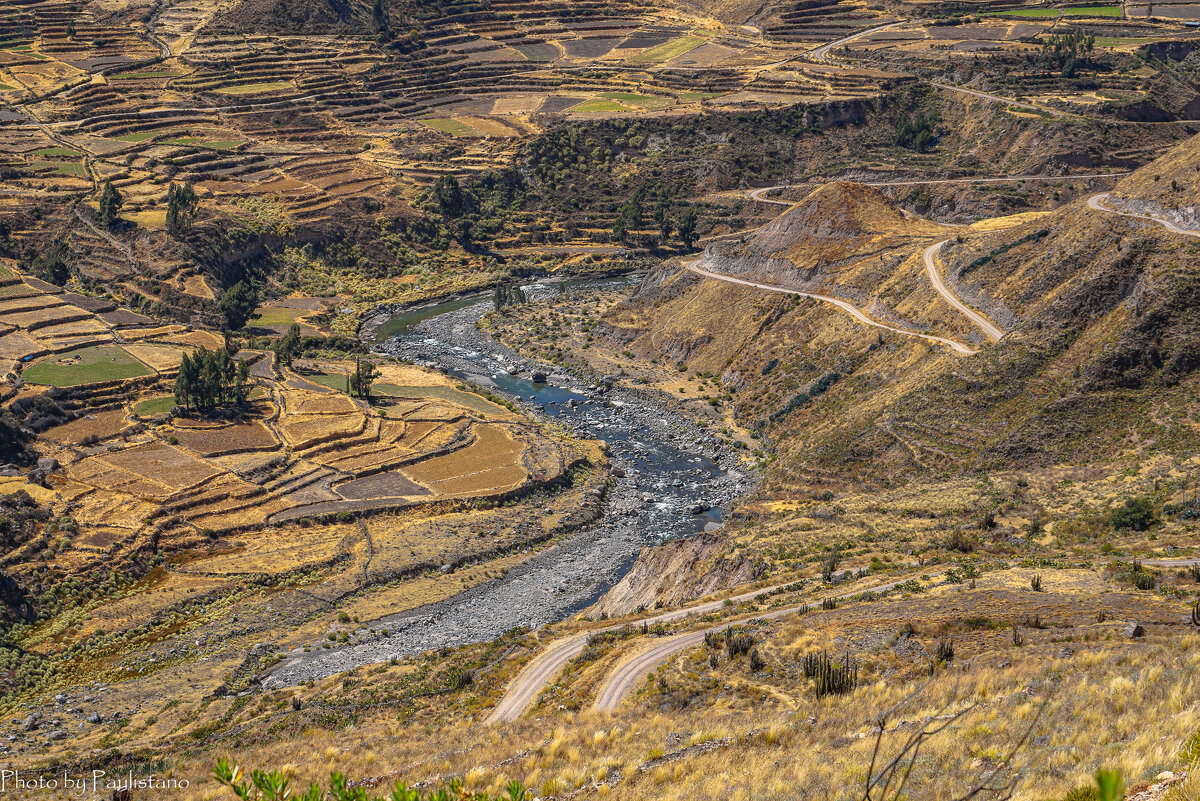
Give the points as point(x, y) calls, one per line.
point(310, 123)
point(333, 502)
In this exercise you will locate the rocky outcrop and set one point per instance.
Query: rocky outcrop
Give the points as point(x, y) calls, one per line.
point(678, 572)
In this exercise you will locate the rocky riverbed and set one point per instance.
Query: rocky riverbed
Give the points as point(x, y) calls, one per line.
point(670, 479)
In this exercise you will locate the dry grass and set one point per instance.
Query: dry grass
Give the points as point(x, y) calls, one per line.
point(818, 748)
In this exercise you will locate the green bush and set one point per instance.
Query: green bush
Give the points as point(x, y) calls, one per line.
point(1136, 514)
point(274, 786)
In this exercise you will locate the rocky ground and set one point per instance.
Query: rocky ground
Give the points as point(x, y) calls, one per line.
point(670, 479)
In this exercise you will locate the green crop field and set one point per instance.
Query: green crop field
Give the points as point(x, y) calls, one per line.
point(253, 88)
point(274, 317)
point(72, 168)
point(90, 365)
point(136, 137)
point(696, 97)
point(598, 106)
point(668, 50)
point(160, 405)
point(640, 101)
point(452, 127)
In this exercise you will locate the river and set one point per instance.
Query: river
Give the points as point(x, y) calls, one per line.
point(671, 479)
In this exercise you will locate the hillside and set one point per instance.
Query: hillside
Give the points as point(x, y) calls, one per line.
point(576, 400)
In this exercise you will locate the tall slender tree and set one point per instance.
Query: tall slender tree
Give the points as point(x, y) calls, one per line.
point(110, 203)
point(181, 207)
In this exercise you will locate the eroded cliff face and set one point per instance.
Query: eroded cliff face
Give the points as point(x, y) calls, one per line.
point(678, 572)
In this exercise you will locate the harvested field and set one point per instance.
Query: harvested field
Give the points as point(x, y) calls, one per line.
point(452, 126)
point(199, 339)
point(304, 432)
point(162, 358)
point(492, 461)
point(101, 425)
point(227, 439)
point(160, 462)
point(391, 484)
point(555, 104)
point(706, 55)
point(275, 552)
point(324, 404)
point(589, 48)
point(456, 396)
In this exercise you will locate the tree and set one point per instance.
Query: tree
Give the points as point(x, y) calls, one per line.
point(687, 226)
point(380, 14)
point(238, 304)
point(917, 133)
point(186, 382)
point(241, 384)
point(665, 227)
point(181, 207)
point(288, 346)
point(363, 377)
point(52, 265)
point(452, 201)
point(110, 203)
point(619, 229)
point(208, 378)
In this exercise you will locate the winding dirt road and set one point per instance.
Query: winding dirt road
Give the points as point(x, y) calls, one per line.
point(1000, 99)
point(1097, 202)
point(534, 677)
point(822, 53)
point(633, 670)
point(935, 277)
point(757, 194)
point(849, 308)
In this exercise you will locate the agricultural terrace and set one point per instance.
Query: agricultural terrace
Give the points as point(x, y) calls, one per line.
point(346, 507)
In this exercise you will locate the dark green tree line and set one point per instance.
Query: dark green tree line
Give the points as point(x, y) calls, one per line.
point(210, 378)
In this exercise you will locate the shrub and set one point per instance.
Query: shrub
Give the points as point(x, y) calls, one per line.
point(1143, 581)
point(756, 661)
point(1136, 514)
point(944, 652)
point(829, 677)
point(737, 644)
point(275, 786)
